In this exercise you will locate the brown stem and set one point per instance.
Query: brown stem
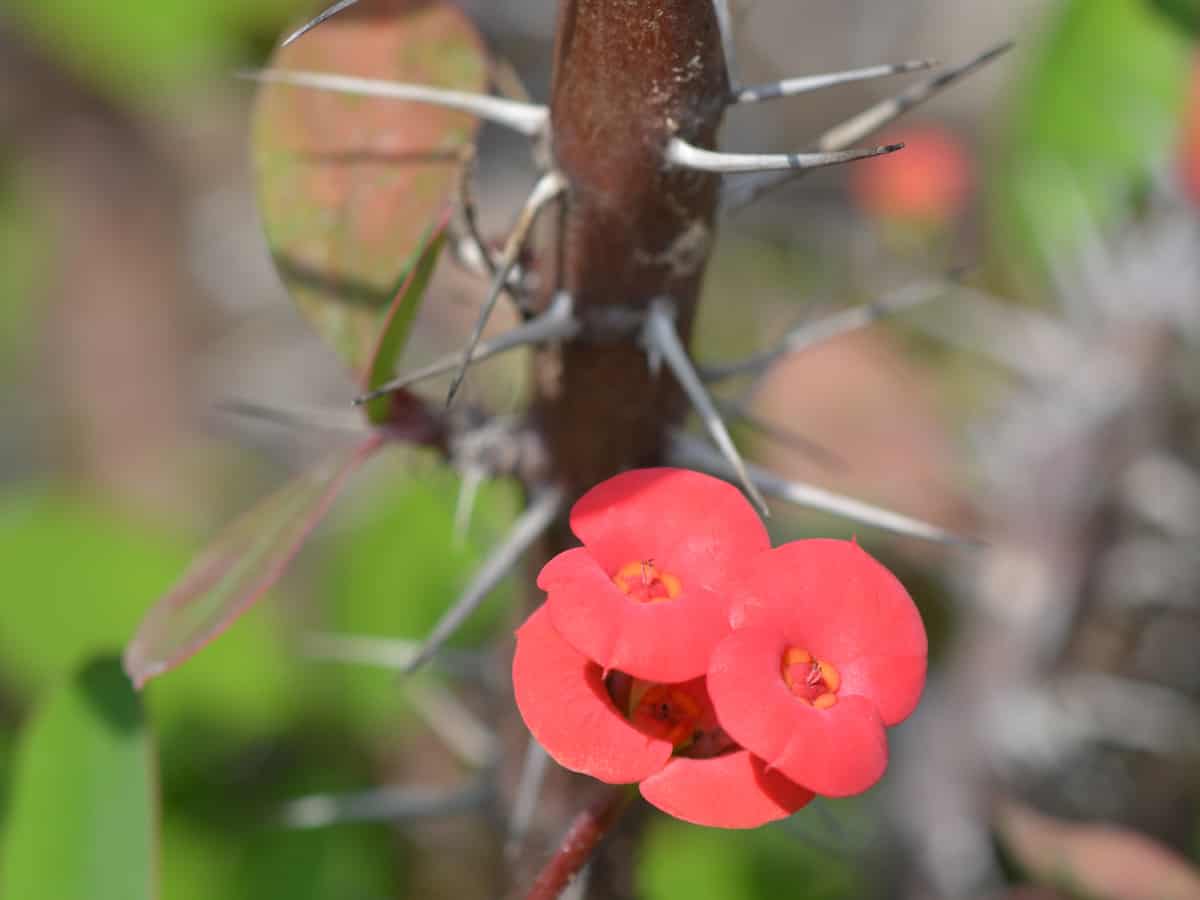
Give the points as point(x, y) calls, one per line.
point(627, 77)
point(580, 842)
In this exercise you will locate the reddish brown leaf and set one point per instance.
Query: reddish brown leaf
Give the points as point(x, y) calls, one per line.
point(239, 566)
point(1101, 861)
point(348, 185)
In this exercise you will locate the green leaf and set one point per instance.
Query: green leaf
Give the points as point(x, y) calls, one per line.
point(680, 860)
point(26, 254)
point(1184, 13)
point(84, 811)
point(348, 185)
point(1096, 111)
point(238, 851)
point(79, 576)
point(394, 572)
point(142, 50)
point(396, 326)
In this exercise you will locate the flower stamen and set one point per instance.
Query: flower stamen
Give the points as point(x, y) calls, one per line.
point(644, 582)
point(813, 681)
point(665, 711)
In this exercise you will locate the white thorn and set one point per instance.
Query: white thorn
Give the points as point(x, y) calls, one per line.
point(298, 417)
point(317, 20)
point(459, 729)
point(547, 188)
point(728, 44)
point(681, 153)
point(556, 323)
point(382, 652)
point(468, 493)
point(811, 334)
point(660, 335)
point(688, 451)
point(744, 192)
point(533, 773)
point(872, 119)
point(386, 804)
point(528, 527)
point(790, 87)
point(526, 118)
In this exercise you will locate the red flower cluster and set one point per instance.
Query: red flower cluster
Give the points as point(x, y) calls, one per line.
point(732, 681)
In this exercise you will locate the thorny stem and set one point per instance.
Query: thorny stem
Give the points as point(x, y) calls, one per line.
point(627, 79)
point(580, 842)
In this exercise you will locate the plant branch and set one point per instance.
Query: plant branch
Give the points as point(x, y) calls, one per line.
point(579, 843)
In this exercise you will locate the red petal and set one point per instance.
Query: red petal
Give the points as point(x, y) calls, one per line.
point(893, 683)
point(563, 700)
point(668, 641)
point(843, 606)
point(730, 791)
point(695, 526)
point(837, 751)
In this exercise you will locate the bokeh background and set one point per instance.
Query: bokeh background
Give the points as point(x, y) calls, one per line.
point(1050, 404)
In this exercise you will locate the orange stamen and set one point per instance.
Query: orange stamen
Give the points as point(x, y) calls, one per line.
point(644, 582)
point(667, 712)
point(813, 681)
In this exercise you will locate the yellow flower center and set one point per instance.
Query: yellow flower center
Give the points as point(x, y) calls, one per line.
point(646, 583)
point(812, 680)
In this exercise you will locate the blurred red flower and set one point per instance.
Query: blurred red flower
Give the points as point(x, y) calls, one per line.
point(928, 182)
point(1189, 145)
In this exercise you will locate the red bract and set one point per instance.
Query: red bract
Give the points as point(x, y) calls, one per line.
point(568, 705)
point(730, 680)
point(648, 593)
point(829, 649)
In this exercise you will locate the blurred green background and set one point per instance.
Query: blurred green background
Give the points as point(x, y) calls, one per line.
point(135, 293)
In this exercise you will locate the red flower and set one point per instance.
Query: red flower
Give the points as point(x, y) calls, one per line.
point(666, 738)
point(649, 591)
point(829, 650)
point(632, 670)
